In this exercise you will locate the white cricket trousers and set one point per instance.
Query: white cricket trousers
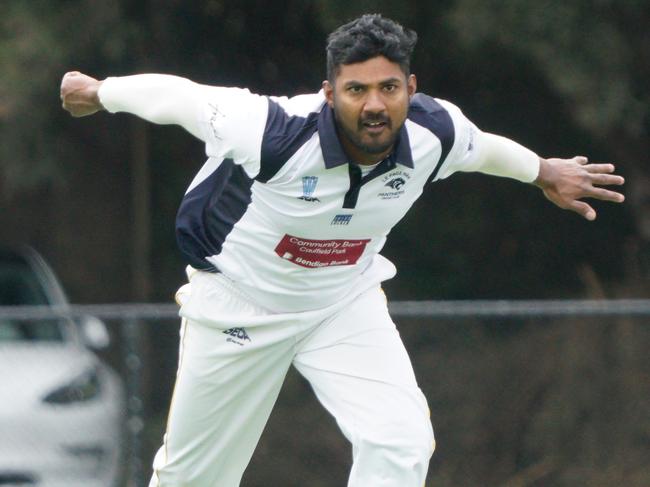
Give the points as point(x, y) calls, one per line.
point(234, 356)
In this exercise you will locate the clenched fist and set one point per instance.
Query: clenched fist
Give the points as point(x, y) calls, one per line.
point(79, 94)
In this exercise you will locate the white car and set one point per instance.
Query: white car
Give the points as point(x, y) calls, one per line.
point(62, 409)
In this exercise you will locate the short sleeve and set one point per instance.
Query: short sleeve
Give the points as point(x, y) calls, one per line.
point(232, 123)
point(467, 143)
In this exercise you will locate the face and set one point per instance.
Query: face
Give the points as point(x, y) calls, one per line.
point(370, 101)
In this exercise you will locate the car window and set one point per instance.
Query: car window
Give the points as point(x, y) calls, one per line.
point(42, 330)
point(19, 286)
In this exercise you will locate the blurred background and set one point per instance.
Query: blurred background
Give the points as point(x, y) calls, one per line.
point(535, 402)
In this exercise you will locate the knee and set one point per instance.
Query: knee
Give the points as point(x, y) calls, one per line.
point(405, 437)
point(415, 436)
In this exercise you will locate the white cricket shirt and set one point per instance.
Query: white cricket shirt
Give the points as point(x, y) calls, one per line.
point(277, 207)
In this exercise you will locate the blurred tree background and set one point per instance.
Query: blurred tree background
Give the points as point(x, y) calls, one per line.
point(514, 403)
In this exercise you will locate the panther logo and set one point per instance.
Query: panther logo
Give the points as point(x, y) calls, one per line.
point(396, 183)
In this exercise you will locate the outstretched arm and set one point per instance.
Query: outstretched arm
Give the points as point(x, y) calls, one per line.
point(157, 98)
point(231, 121)
point(565, 182)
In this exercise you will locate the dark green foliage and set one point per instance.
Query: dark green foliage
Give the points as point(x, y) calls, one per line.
point(514, 404)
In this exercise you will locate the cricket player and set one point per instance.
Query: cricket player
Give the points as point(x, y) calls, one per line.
point(281, 230)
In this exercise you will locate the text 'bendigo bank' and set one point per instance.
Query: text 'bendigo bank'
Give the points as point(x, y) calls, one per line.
point(320, 253)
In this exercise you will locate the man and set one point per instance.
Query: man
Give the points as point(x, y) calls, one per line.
point(282, 229)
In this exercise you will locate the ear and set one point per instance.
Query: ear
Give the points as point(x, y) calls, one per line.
point(411, 85)
point(328, 88)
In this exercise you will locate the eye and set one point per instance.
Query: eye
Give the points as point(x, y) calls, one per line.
point(390, 88)
point(355, 89)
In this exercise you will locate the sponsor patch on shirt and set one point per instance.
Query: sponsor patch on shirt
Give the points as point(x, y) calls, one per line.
point(341, 220)
point(320, 253)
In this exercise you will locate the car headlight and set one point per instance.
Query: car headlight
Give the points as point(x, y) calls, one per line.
point(82, 388)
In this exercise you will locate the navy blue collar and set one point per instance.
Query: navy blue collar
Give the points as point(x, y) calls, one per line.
point(333, 152)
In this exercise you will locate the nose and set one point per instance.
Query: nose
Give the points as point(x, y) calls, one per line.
point(374, 103)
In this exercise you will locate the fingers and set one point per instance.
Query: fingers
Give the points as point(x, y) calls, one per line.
point(600, 168)
point(605, 195)
point(68, 75)
point(71, 91)
point(607, 179)
point(63, 89)
point(72, 74)
point(583, 209)
point(582, 160)
point(72, 79)
point(601, 174)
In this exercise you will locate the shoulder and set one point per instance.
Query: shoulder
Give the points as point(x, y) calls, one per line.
point(288, 116)
point(299, 105)
point(439, 116)
point(424, 108)
point(421, 103)
point(231, 108)
point(433, 114)
point(447, 123)
point(290, 124)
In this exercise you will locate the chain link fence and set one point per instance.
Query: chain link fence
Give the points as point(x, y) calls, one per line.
point(438, 334)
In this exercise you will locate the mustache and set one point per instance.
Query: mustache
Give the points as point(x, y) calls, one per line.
point(375, 118)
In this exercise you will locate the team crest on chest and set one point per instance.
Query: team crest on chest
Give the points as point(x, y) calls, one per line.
point(396, 183)
point(393, 184)
point(308, 187)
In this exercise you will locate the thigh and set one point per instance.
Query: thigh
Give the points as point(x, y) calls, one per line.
point(359, 369)
point(223, 378)
point(227, 382)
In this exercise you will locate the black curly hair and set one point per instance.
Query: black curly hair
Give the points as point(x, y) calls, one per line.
point(366, 37)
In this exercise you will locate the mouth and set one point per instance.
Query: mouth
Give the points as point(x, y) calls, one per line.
point(374, 126)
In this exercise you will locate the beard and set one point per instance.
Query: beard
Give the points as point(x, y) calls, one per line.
point(355, 136)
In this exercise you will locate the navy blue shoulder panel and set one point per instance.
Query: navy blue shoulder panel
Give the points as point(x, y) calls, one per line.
point(283, 136)
point(209, 212)
point(428, 113)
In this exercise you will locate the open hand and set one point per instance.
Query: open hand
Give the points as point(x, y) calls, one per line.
point(79, 94)
point(566, 181)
